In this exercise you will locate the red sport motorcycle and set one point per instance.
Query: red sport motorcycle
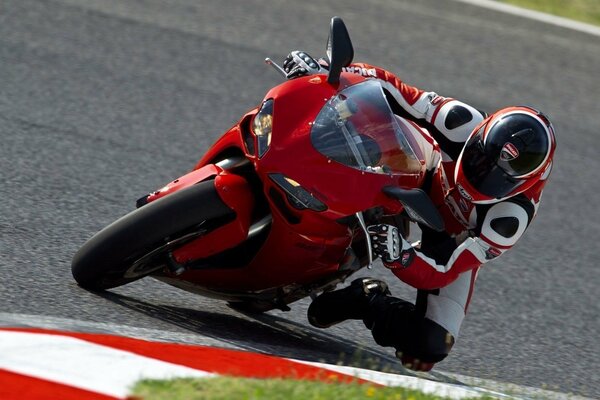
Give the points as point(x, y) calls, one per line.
point(278, 207)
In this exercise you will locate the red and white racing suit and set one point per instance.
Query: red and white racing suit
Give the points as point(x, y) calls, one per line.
point(443, 266)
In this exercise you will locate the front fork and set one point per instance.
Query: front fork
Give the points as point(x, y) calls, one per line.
point(363, 226)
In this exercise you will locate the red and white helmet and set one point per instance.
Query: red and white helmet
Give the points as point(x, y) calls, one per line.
point(507, 154)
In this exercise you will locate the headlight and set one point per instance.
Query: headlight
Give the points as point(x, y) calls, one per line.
point(262, 126)
point(297, 196)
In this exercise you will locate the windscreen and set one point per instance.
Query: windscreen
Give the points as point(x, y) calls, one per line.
point(357, 128)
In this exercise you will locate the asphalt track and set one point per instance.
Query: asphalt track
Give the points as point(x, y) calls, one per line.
point(102, 101)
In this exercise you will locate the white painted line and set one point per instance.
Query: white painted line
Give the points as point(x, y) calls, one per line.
point(82, 364)
point(75, 325)
point(526, 392)
point(535, 15)
point(408, 382)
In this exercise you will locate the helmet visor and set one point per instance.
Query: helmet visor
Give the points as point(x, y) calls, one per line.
point(521, 142)
point(484, 172)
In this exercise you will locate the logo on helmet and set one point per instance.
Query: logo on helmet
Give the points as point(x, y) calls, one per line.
point(509, 152)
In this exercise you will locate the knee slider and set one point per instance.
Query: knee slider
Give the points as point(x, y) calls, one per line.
point(437, 341)
point(433, 344)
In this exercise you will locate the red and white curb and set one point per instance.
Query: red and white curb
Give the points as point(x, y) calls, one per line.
point(46, 364)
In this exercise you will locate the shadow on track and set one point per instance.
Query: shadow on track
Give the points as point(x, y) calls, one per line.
point(265, 333)
point(273, 335)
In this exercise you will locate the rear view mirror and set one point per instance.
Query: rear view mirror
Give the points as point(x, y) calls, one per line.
point(417, 205)
point(339, 49)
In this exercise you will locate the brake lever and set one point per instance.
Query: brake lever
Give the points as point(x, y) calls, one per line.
point(273, 64)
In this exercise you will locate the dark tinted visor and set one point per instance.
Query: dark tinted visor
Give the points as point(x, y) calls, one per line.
point(526, 136)
point(484, 172)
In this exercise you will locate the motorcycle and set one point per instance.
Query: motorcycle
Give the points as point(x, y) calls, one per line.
point(277, 209)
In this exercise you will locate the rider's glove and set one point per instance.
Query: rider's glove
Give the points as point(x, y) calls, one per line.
point(390, 246)
point(299, 63)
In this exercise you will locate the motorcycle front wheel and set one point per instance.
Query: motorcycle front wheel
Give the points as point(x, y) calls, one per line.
point(136, 245)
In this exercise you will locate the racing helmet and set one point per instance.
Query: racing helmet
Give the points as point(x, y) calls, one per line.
point(507, 154)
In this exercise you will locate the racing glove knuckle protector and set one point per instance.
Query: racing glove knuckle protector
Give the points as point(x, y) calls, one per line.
point(387, 244)
point(300, 63)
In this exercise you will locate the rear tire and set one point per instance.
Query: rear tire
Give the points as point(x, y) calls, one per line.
point(102, 262)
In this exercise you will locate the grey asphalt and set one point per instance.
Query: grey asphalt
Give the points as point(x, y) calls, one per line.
point(102, 101)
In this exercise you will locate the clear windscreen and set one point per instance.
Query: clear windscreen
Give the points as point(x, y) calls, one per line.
point(357, 128)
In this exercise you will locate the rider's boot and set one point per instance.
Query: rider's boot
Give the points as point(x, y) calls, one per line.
point(352, 302)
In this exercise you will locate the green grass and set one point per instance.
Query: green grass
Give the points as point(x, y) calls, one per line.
point(581, 10)
point(227, 388)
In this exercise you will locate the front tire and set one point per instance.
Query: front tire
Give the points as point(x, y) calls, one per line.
point(104, 260)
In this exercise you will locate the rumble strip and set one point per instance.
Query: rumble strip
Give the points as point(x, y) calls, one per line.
point(47, 364)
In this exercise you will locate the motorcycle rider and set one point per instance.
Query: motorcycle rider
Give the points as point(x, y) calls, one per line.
point(485, 174)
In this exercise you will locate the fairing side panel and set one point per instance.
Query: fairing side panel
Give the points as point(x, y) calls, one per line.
point(285, 258)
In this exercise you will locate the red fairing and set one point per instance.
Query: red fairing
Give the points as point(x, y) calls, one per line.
point(187, 180)
point(235, 193)
point(345, 190)
point(302, 245)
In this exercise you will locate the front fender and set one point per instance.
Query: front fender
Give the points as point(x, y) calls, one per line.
point(196, 176)
point(236, 193)
point(233, 190)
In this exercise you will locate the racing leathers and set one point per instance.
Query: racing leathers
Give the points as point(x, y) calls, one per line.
point(443, 266)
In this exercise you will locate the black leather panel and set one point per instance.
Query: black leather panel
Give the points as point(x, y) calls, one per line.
point(457, 116)
point(505, 226)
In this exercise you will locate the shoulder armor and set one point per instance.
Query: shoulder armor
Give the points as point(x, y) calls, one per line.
point(526, 203)
point(505, 226)
point(457, 116)
point(453, 121)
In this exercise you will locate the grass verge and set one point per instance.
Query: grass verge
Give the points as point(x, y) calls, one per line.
point(227, 388)
point(581, 10)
